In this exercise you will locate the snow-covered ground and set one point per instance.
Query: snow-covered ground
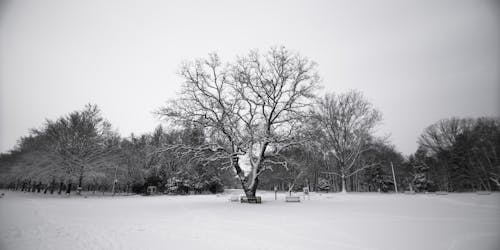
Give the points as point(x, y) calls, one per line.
point(326, 221)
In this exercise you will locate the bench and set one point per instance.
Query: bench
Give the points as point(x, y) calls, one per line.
point(292, 198)
point(255, 199)
point(483, 192)
point(441, 193)
point(234, 198)
point(410, 192)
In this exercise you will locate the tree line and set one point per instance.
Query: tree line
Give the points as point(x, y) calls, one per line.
point(459, 154)
point(255, 122)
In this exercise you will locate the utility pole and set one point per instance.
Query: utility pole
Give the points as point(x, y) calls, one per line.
point(394, 177)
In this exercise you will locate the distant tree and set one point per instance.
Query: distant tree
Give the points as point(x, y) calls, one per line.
point(377, 178)
point(81, 144)
point(182, 173)
point(132, 163)
point(420, 178)
point(27, 164)
point(486, 152)
point(386, 159)
point(443, 134)
point(346, 122)
point(463, 153)
point(76, 147)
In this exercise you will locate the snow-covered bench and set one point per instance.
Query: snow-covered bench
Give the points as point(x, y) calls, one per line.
point(441, 193)
point(234, 198)
point(255, 199)
point(483, 192)
point(292, 198)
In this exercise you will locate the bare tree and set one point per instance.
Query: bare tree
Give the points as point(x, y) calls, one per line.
point(346, 122)
point(443, 134)
point(251, 109)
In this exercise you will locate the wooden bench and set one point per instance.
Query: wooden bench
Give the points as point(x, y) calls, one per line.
point(292, 198)
point(255, 199)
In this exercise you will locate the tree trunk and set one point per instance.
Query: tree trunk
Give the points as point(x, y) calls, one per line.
point(79, 188)
point(68, 189)
point(60, 187)
point(113, 189)
point(80, 180)
point(343, 184)
point(52, 185)
point(250, 192)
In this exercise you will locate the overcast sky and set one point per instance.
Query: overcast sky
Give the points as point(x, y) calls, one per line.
point(416, 61)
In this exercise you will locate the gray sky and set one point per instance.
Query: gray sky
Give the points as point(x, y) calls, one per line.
point(417, 61)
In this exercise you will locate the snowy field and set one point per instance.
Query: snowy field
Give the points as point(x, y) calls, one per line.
point(327, 221)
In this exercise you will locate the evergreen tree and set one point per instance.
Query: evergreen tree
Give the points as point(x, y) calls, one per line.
point(420, 181)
